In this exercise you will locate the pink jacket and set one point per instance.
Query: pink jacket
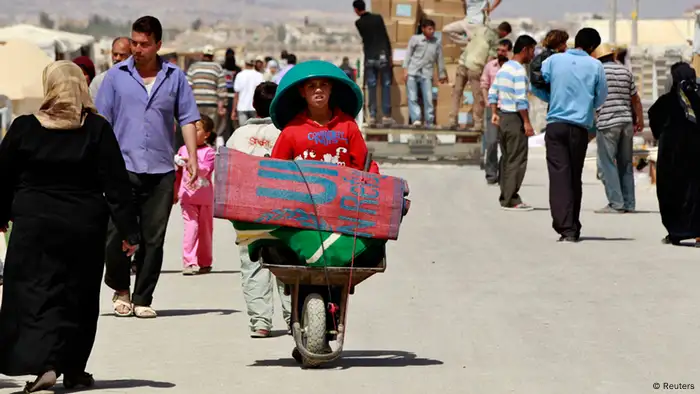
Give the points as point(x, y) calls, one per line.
point(490, 70)
point(204, 192)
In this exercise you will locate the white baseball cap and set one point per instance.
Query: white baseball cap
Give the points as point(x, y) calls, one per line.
point(208, 50)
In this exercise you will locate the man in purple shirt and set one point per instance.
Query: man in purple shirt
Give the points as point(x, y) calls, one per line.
point(141, 97)
point(291, 62)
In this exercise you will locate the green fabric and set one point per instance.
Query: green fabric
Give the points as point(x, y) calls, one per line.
point(337, 250)
point(288, 103)
point(7, 233)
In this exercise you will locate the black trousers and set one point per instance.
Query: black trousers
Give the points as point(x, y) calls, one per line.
point(153, 194)
point(511, 135)
point(566, 152)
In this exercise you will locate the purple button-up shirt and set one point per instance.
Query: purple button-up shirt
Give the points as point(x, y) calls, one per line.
point(280, 74)
point(145, 126)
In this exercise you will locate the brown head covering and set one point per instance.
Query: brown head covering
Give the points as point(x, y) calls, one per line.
point(66, 97)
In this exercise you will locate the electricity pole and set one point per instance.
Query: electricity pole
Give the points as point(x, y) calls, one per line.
point(635, 15)
point(613, 22)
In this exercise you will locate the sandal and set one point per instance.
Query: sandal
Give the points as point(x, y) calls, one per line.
point(72, 381)
point(43, 382)
point(145, 312)
point(121, 305)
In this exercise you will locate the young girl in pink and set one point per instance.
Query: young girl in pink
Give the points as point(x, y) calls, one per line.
point(197, 203)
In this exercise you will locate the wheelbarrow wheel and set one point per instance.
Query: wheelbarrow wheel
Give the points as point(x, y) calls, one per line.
point(314, 324)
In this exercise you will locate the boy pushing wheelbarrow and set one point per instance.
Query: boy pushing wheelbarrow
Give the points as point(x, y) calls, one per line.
point(307, 227)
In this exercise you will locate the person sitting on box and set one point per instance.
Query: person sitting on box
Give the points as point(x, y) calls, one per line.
point(315, 107)
point(477, 14)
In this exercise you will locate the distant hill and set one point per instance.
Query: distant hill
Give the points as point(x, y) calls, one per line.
point(182, 12)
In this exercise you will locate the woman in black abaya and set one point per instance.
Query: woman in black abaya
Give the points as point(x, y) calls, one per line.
point(62, 176)
point(674, 122)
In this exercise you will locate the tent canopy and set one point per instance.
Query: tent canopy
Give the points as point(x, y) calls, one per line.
point(21, 70)
point(50, 41)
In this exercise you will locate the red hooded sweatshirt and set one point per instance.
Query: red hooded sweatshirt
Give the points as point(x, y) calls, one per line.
point(339, 142)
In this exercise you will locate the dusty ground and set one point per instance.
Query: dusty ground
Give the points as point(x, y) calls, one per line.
point(474, 300)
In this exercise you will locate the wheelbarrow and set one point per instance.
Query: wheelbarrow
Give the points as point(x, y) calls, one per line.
point(310, 288)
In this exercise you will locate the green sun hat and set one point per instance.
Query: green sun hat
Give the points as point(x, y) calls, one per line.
point(288, 102)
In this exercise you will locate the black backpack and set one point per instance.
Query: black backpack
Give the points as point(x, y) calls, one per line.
point(536, 78)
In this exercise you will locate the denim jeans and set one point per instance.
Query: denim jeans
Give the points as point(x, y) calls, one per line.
point(426, 88)
point(615, 165)
point(378, 68)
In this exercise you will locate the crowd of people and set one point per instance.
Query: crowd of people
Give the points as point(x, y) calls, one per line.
point(99, 165)
point(104, 174)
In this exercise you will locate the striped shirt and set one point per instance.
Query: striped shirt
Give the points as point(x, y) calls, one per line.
point(509, 89)
point(208, 82)
point(617, 108)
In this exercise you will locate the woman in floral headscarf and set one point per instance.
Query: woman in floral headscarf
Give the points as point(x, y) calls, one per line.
point(62, 176)
point(674, 122)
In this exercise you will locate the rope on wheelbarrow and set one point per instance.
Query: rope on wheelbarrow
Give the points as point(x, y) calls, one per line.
point(332, 307)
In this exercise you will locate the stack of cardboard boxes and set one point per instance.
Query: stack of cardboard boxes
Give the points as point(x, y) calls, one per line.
point(403, 19)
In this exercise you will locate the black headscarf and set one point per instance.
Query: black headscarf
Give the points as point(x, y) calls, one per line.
point(230, 62)
point(685, 87)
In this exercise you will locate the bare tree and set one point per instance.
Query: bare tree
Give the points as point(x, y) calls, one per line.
point(197, 24)
point(46, 21)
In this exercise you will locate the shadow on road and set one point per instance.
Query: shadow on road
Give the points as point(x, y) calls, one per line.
point(106, 385)
point(278, 333)
point(195, 312)
point(8, 384)
point(188, 312)
point(605, 239)
point(361, 358)
point(224, 272)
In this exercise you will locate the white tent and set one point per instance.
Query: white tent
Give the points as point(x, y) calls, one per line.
point(21, 72)
point(50, 41)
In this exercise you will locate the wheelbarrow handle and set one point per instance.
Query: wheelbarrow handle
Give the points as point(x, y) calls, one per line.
point(368, 162)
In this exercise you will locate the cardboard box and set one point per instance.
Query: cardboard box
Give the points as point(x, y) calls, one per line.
point(406, 10)
point(442, 114)
point(447, 19)
point(391, 30)
point(400, 114)
point(399, 97)
point(451, 70)
point(444, 94)
point(449, 8)
point(451, 51)
point(382, 7)
point(399, 53)
point(428, 6)
point(404, 32)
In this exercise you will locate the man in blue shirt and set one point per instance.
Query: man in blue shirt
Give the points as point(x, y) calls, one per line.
point(578, 87)
point(142, 97)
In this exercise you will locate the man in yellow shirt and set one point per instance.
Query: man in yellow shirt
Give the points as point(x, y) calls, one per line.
point(482, 46)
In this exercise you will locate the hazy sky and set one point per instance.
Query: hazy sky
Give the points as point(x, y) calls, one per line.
point(554, 9)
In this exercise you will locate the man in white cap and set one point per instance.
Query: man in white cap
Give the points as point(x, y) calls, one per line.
point(271, 70)
point(208, 83)
point(244, 88)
